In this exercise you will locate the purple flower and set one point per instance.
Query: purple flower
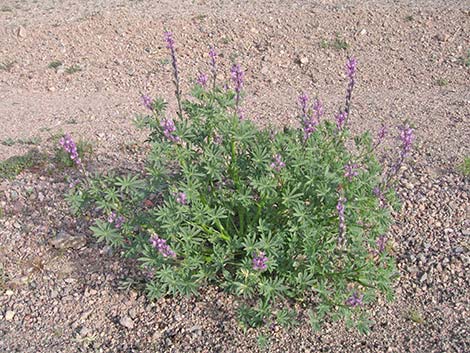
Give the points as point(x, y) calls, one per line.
point(381, 134)
point(260, 261)
point(118, 221)
point(277, 163)
point(340, 119)
point(303, 100)
point(161, 246)
point(237, 77)
point(310, 118)
point(309, 127)
point(379, 194)
point(355, 300)
point(202, 79)
point(350, 171)
point(147, 101)
point(381, 243)
point(71, 148)
point(168, 130)
point(240, 113)
point(318, 109)
point(181, 198)
point(112, 217)
point(407, 138)
point(351, 73)
point(170, 44)
point(213, 55)
point(351, 65)
point(74, 183)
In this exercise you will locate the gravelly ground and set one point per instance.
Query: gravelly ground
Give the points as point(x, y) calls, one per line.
point(411, 66)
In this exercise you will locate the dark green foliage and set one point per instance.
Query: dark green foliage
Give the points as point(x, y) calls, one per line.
point(13, 166)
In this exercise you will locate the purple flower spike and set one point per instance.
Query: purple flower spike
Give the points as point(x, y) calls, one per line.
point(260, 261)
point(240, 113)
point(340, 119)
point(181, 198)
point(277, 163)
point(381, 243)
point(168, 130)
point(237, 78)
point(350, 171)
point(310, 118)
point(355, 300)
point(161, 246)
point(170, 44)
point(213, 56)
point(318, 109)
point(351, 65)
point(71, 148)
point(147, 101)
point(407, 138)
point(202, 79)
point(381, 134)
point(303, 101)
point(351, 73)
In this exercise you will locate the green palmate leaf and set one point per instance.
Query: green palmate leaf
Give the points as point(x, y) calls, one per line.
point(105, 232)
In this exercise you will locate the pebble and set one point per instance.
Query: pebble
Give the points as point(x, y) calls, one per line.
point(9, 315)
point(64, 240)
point(424, 277)
point(127, 322)
point(21, 32)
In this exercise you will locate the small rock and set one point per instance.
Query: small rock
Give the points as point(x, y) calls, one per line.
point(9, 315)
point(65, 241)
point(84, 331)
point(21, 32)
point(9, 293)
point(127, 322)
point(14, 195)
point(363, 32)
point(304, 60)
point(424, 277)
point(196, 330)
point(443, 37)
point(133, 313)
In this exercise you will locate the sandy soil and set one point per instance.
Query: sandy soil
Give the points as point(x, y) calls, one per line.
point(414, 65)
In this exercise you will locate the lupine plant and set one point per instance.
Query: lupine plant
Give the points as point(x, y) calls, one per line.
point(274, 218)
